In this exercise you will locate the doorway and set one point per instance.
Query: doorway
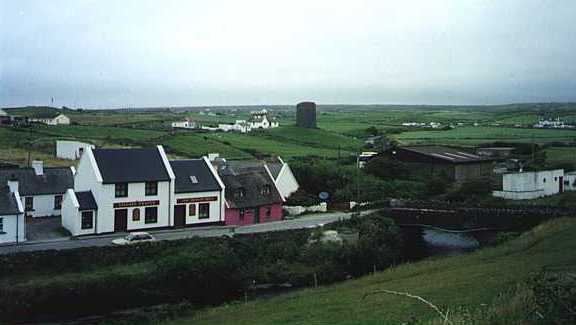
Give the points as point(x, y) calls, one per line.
point(180, 215)
point(120, 220)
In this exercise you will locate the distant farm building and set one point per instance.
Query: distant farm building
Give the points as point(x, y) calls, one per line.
point(306, 115)
point(50, 118)
point(188, 124)
point(453, 163)
point(71, 150)
point(262, 120)
point(532, 185)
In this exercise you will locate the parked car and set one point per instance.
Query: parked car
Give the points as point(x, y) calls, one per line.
point(134, 238)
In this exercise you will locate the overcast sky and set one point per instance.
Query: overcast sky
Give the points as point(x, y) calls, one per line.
point(120, 53)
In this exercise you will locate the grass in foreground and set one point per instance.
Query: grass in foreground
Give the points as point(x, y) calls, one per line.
point(485, 287)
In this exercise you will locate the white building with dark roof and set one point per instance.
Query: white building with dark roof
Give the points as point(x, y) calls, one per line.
point(12, 223)
point(50, 118)
point(262, 120)
point(41, 189)
point(120, 190)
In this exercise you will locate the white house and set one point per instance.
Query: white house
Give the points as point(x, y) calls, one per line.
point(119, 190)
point(238, 126)
point(71, 150)
point(262, 120)
point(531, 185)
point(570, 181)
point(198, 193)
point(41, 189)
point(12, 225)
point(49, 118)
point(188, 124)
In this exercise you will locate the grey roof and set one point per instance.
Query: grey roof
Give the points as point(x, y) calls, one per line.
point(86, 201)
point(130, 165)
point(252, 181)
point(8, 204)
point(45, 114)
point(239, 165)
point(449, 154)
point(55, 180)
point(184, 169)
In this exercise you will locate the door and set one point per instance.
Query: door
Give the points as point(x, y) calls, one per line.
point(180, 215)
point(257, 215)
point(561, 181)
point(120, 220)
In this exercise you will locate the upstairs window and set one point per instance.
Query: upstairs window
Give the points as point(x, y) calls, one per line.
point(57, 202)
point(194, 179)
point(29, 203)
point(121, 190)
point(151, 188)
point(266, 189)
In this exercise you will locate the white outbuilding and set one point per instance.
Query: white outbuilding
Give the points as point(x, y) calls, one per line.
point(71, 150)
point(12, 225)
point(531, 185)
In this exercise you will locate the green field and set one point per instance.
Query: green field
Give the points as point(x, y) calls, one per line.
point(341, 130)
point(478, 135)
point(485, 287)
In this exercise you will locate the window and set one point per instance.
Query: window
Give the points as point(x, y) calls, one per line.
point(57, 202)
point(266, 189)
point(567, 183)
point(151, 188)
point(268, 211)
point(241, 192)
point(87, 219)
point(29, 203)
point(544, 180)
point(151, 215)
point(121, 190)
point(191, 210)
point(1, 225)
point(136, 214)
point(241, 214)
point(203, 210)
point(555, 178)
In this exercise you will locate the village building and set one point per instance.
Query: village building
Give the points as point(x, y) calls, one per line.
point(40, 189)
point(251, 194)
point(198, 193)
point(71, 150)
point(50, 118)
point(453, 163)
point(262, 120)
point(12, 223)
point(532, 185)
point(131, 189)
point(187, 124)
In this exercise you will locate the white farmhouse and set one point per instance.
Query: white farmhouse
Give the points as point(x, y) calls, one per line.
point(262, 120)
point(119, 190)
point(41, 189)
point(12, 225)
point(239, 126)
point(187, 124)
point(71, 150)
point(531, 185)
point(50, 118)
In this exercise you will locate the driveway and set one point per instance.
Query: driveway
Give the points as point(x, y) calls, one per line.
point(306, 221)
point(44, 228)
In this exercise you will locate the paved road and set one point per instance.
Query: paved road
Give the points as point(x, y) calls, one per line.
point(307, 221)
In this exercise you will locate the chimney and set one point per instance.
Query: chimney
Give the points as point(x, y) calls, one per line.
point(13, 184)
point(38, 166)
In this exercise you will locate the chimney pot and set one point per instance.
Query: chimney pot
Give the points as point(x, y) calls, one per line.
point(38, 166)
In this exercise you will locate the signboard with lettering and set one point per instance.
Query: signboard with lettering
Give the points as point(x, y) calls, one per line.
point(197, 199)
point(136, 204)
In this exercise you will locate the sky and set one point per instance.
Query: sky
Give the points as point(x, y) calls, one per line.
point(159, 53)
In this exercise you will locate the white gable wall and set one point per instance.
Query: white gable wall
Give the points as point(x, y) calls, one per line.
point(71, 149)
point(530, 185)
point(286, 182)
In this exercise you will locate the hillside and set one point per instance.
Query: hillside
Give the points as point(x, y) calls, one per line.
point(488, 286)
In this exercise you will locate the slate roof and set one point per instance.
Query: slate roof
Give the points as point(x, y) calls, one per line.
point(184, 169)
point(54, 180)
point(251, 181)
point(130, 165)
point(45, 114)
point(86, 201)
point(448, 154)
point(8, 204)
point(238, 165)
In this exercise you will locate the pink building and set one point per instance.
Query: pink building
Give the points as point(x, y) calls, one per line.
point(251, 195)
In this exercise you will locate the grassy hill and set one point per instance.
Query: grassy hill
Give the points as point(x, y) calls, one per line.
point(491, 286)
